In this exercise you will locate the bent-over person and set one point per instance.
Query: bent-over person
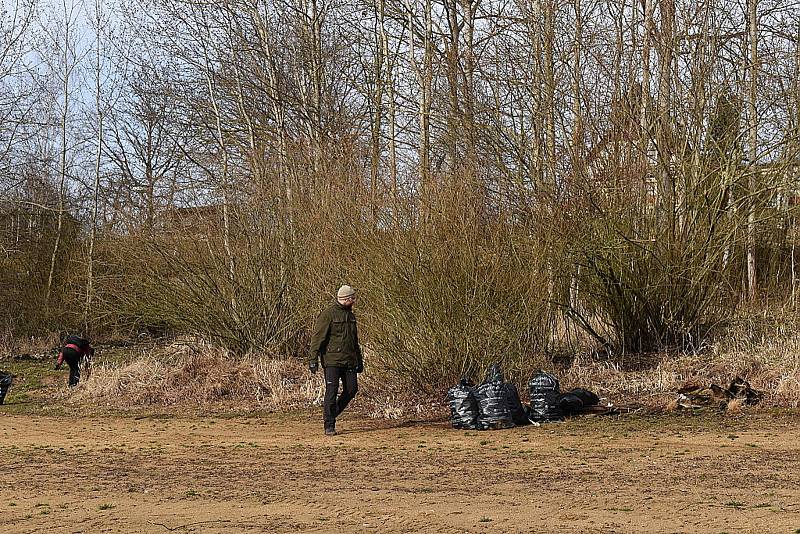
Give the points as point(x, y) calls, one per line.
point(73, 352)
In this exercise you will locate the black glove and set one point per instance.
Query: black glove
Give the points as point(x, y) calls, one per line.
point(360, 367)
point(313, 367)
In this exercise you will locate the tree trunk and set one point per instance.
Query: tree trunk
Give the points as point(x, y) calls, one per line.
point(663, 134)
point(63, 159)
point(752, 20)
point(577, 95)
point(377, 115)
point(424, 77)
point(221, 143)
point(96, 188)
point(549, 83)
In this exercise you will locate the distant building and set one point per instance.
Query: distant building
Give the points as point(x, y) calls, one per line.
point(24, 222)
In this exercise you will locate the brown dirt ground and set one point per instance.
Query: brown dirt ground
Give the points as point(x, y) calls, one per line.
point(277, 473)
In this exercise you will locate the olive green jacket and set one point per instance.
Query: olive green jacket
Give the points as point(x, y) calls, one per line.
point(335, 338)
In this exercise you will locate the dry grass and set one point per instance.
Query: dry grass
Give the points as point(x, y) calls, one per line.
point(765, 354)
point(194, 374)
point(12, 345)
point(199, 375)
point(735, 407)
point(214, 378)
point(672, 406)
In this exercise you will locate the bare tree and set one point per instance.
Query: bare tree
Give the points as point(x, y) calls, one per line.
point(64, 36)
point(752, 114)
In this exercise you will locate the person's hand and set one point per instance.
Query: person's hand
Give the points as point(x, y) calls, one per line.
point(313, 367)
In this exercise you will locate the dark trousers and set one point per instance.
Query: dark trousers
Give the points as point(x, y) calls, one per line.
point(334, 402)
point(73, 359)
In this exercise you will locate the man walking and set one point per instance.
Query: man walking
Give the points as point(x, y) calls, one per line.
point(74, 350)
point(335, 344)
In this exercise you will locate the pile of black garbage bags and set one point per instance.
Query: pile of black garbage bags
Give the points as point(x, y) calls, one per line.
point(495, 404)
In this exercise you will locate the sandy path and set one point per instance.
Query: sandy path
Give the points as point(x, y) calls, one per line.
point(279, 474)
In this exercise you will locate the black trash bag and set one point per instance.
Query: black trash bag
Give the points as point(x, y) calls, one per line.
point(493, 410)
point(588, 398)
point(5, 383)
point(570, 404)
point(518, 412)
point(463, 406)
point(544, 390)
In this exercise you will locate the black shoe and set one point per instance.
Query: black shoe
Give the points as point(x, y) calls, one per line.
point(330, 432)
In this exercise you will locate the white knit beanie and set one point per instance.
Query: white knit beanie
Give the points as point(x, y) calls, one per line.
point(345, 291)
